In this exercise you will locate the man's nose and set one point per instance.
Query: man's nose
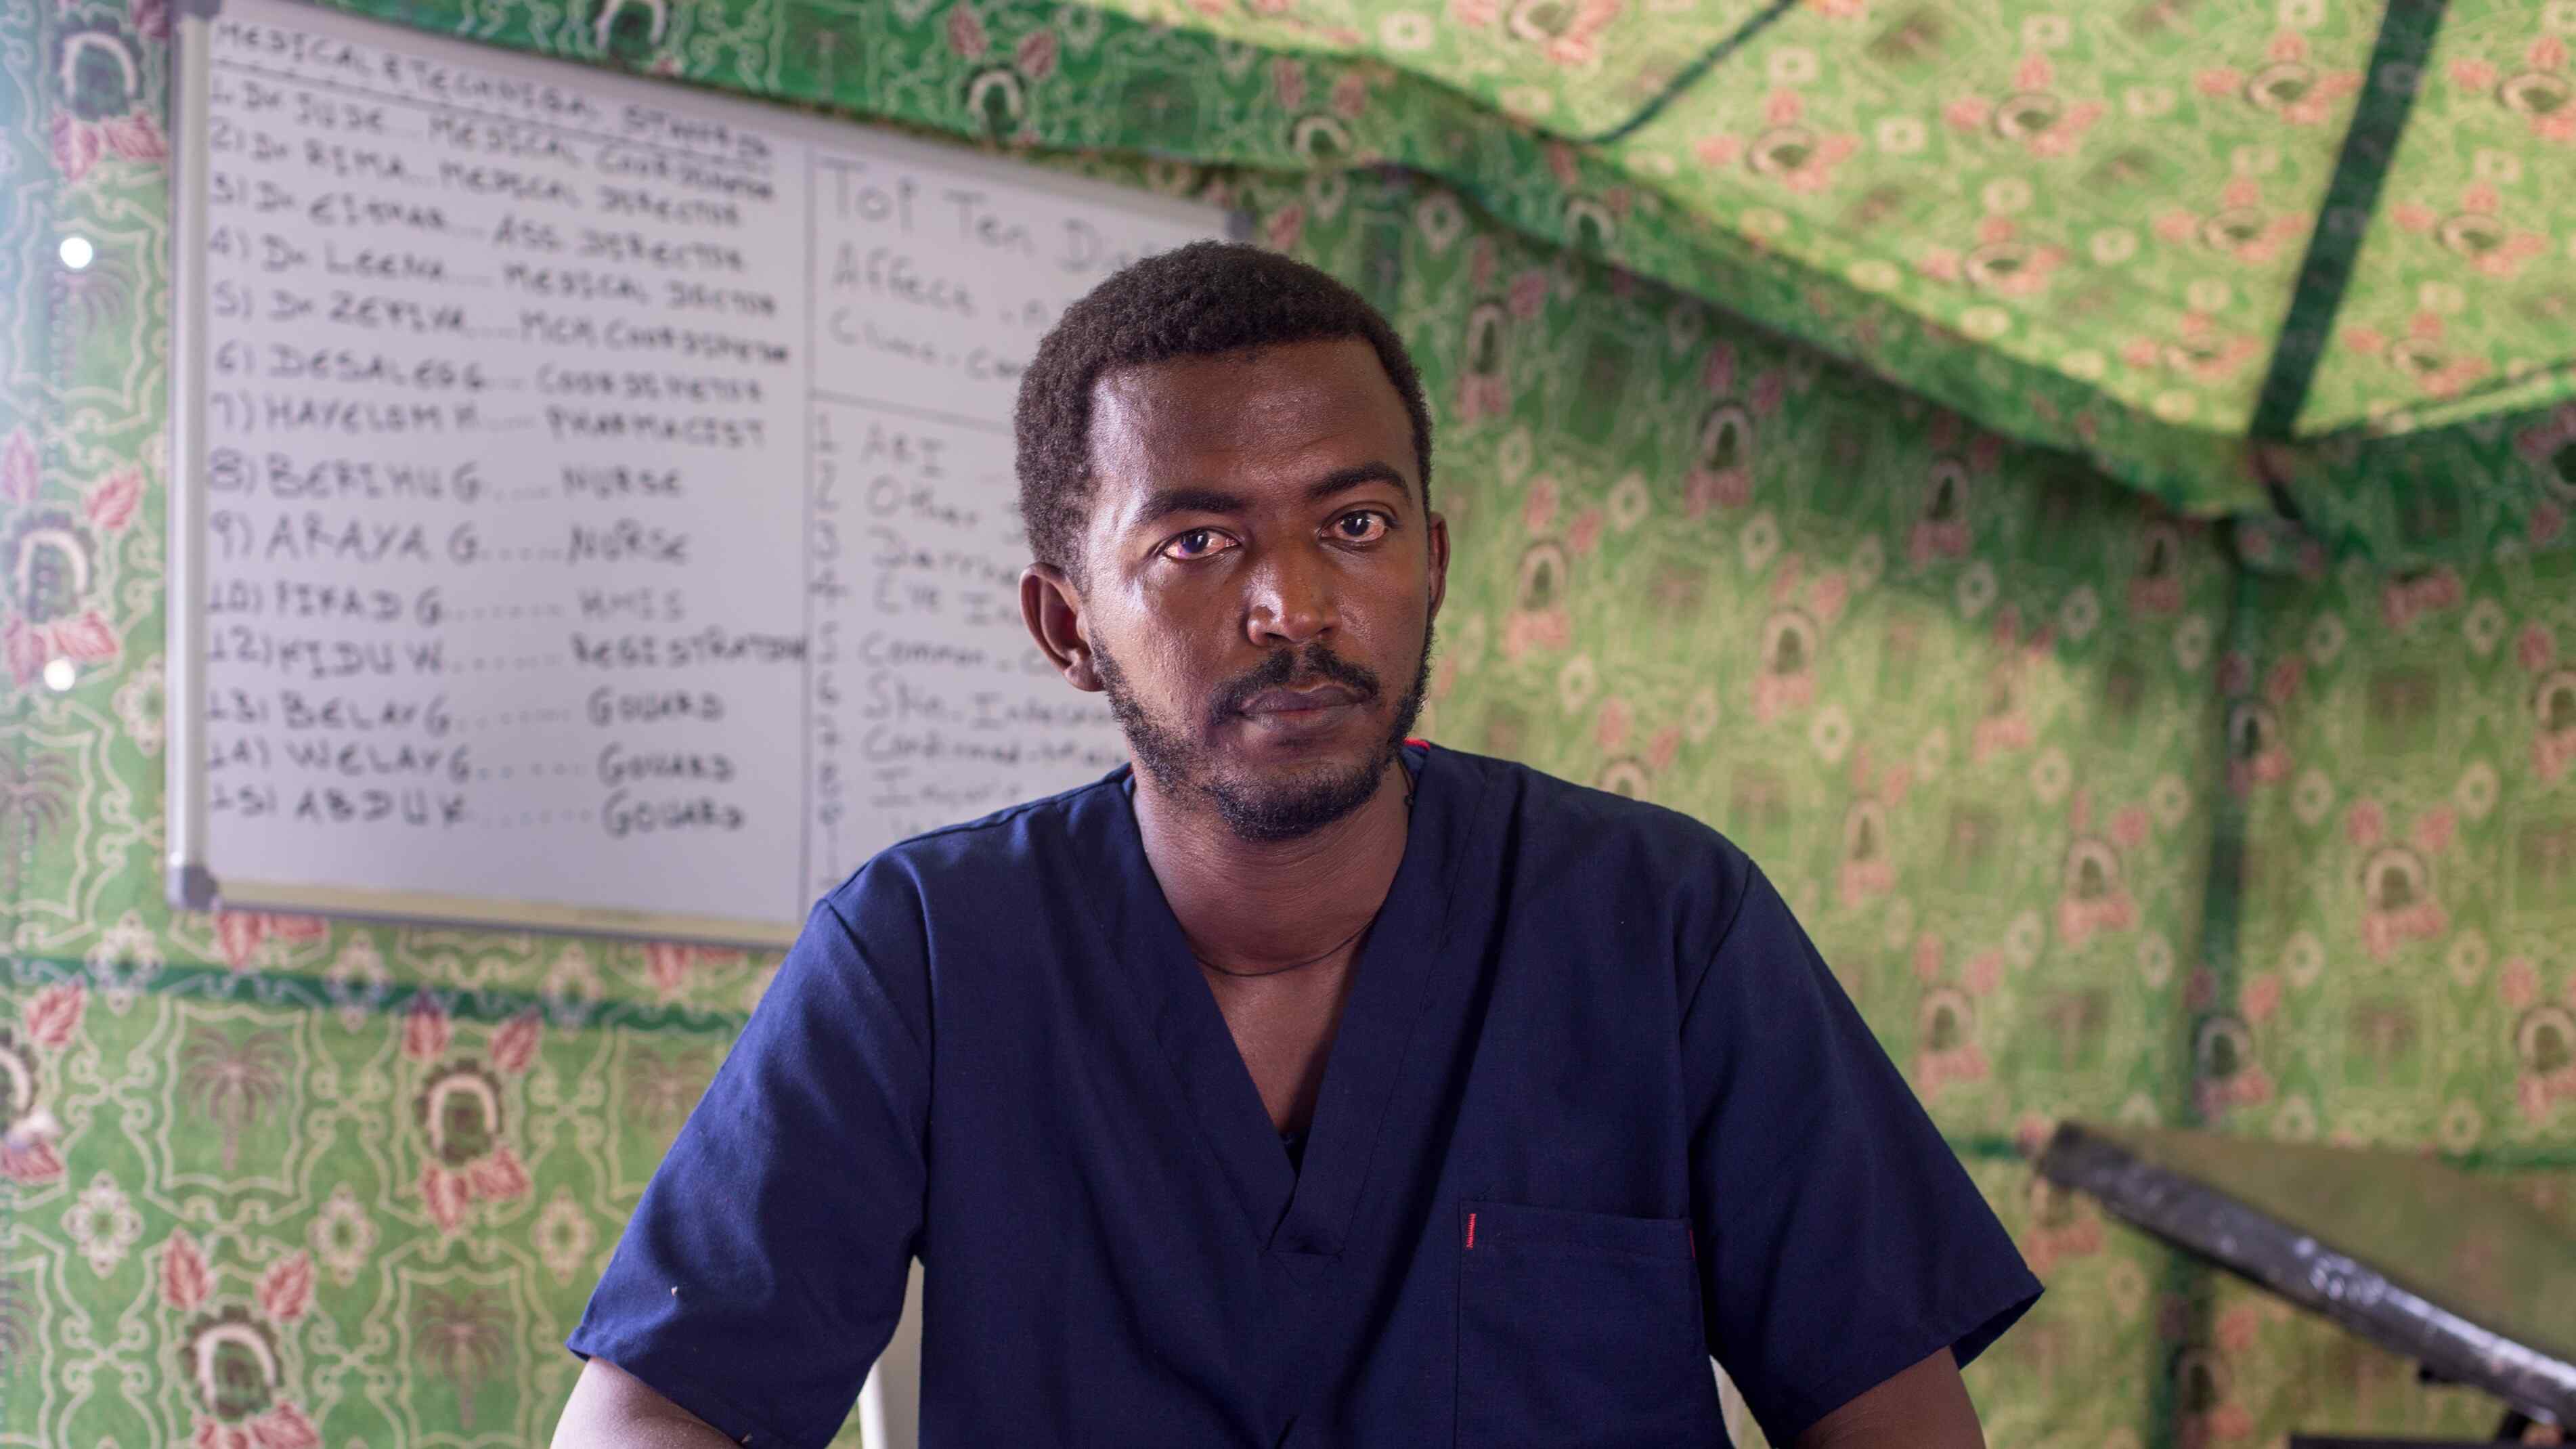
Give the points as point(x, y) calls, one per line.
point(1293, 598)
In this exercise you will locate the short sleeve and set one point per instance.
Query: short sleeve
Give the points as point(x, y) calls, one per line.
point(764, 1269)
point(1842, 1242)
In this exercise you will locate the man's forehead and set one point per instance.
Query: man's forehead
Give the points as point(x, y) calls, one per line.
point(1340, 369)
point(1251, 398)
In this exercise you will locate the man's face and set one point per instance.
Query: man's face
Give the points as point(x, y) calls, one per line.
point(1260, 578)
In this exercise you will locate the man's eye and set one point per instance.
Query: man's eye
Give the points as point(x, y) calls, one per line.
point(1366, 526)
point(1197, 543)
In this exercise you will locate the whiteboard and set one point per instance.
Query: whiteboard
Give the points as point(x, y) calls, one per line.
point(594, 506)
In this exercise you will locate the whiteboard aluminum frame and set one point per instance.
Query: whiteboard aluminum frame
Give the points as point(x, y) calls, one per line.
point(192, 883)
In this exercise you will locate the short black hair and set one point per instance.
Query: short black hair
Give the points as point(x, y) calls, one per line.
point(1198, 300)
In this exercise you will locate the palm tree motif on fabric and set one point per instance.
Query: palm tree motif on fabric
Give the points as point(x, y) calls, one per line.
point(660, 1089)
point(2203, 1403)
point(1721, 471)
point(2381, 1032)
point(230, 1359)
point(1540, 617)
point(2093, 891)
point(463, 1336)
point(1947, 1051)
point(1793, 637)
point(2553, 703)
point(1946, 1024)
point(1485, 347)
point(2549, 448)
point(2157, 586)
point(461, 1114)
point(1484, 376)
point(2400, 899)
point(1945, 526)
point(2544, 1041)
point(2257, 752)
point(2225, 1069)
point(1868, 867)
point(97, 298)
point(2005, 724)
point(2062, 1226)
point(28, 1128)
point(233, 1083)
point(36, 793)
point(17, 1322)
point(2076, 1021)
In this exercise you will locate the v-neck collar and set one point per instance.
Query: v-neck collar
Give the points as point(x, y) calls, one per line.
point(1304, 1211)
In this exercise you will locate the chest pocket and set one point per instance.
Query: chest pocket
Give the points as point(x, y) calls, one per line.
point(1580, 1329)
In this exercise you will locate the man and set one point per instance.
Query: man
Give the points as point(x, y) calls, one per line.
point(1301, 1084)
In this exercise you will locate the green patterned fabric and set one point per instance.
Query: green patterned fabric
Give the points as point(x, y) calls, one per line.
point(2464, 290)
point(2093, 227)
point(2092, 805)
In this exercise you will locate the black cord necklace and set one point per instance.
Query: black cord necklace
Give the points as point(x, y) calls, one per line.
point(1329, 951)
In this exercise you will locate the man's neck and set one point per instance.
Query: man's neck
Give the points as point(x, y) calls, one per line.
point(1249, 906)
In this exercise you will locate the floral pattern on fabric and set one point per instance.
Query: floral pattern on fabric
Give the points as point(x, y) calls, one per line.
point(2003, 731)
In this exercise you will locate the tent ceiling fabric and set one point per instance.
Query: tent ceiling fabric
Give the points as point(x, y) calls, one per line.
point(2097, 218)
point(2472, 254)
point(2090, 227)
point(1576, 68)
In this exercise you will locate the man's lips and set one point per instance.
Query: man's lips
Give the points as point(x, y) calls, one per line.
point(1298, 701)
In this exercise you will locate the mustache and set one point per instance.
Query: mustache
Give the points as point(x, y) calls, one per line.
point(1290, 667)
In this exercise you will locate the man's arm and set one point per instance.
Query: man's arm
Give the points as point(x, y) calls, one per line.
point(1840, 1241)
point(1924, 1407)
point(764, 1267)
point(612, 1409)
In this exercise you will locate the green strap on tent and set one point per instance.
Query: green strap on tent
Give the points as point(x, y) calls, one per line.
point(1692, 74)
point(2406, 31)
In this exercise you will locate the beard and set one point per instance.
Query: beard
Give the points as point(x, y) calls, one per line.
point(1295, 803)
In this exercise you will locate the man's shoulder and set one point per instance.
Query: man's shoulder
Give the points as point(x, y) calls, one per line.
point(1581, 863)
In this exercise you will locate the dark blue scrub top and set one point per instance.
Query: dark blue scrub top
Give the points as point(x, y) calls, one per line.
point(1595, 1110)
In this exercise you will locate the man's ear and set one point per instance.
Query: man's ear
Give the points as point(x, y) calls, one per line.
point(1439, 563)
point(1051, 606)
